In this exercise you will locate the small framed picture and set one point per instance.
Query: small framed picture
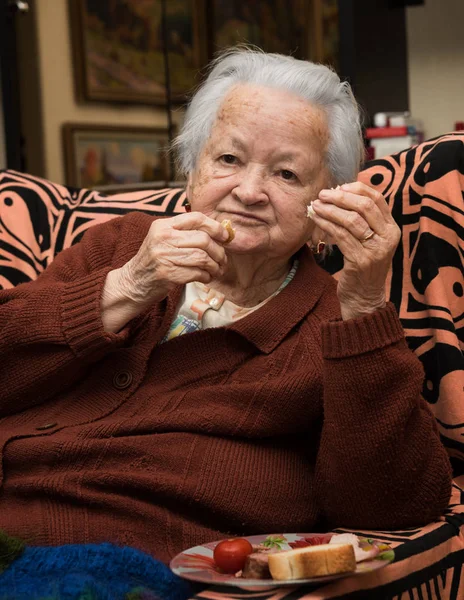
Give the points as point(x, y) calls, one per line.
point(118, 49)
point(107, 156)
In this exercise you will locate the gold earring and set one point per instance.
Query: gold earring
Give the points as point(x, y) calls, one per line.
point(318, 248)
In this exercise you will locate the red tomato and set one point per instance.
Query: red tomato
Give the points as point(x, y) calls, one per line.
point(230, 555)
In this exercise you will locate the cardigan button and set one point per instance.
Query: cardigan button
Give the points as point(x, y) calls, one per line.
point(46, 426)
point(122, 380)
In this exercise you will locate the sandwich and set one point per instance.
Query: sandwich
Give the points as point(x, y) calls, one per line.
point(313, 561)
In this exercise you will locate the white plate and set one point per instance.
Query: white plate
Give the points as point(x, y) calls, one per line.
point(197, 564)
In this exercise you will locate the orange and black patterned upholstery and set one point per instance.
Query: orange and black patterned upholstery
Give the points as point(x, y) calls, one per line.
point(424, 187)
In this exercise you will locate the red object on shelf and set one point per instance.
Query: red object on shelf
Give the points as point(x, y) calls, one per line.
point(384, 132)
point(459, 126)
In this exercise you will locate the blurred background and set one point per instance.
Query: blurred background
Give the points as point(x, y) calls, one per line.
point(92, 91)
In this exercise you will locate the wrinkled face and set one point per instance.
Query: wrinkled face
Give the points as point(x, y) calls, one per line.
point(262, 164)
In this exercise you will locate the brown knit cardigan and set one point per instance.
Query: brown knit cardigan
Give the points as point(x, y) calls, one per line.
point(287, 420)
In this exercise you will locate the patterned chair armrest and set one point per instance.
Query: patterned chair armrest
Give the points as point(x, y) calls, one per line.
point(39, 218)
point(424, 187)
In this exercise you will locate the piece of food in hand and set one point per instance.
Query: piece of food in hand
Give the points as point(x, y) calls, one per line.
point(230, 230)
point(230, 555)
point(314, 561)
point(310, 211)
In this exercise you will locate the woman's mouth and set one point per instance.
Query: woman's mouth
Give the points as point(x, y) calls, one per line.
point(245, 218)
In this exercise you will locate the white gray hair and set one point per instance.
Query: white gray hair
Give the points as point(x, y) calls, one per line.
point(315, 83)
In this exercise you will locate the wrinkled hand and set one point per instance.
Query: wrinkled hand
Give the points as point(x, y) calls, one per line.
point(357, 219)
point(176, 251)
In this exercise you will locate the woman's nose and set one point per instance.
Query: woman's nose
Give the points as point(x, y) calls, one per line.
point(251, 189)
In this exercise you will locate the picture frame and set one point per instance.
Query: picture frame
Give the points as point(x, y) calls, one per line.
point(280, 26)
point(324, 32)
point(118, 49)
point(306, 29)
point(111, 157)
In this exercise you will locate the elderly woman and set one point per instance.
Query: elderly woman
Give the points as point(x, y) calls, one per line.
point(163, 386)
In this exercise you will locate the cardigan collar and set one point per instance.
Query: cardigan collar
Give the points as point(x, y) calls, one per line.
point(268, 326)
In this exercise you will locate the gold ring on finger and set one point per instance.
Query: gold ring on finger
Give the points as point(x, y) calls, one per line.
point(368, 237)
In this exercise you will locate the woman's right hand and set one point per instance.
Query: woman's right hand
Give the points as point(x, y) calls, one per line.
point(176, 251)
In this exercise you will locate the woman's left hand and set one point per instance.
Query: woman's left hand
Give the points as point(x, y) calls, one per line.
point(357, 219)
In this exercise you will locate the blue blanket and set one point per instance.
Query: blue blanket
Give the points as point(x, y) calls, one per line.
point(89, 572)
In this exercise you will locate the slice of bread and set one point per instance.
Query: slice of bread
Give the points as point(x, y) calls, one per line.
point(314, 561)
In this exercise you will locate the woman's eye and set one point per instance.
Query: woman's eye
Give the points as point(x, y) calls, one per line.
point(229, 159)
point(288, 175)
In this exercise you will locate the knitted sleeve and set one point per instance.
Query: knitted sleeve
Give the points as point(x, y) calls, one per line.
point(381, 464)
point(51, 328)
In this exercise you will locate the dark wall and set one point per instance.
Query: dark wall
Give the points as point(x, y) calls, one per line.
point(373, 54)
point(10, 86)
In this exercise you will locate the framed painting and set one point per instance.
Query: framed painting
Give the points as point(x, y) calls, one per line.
point(324, 32)
point(118, 48)
point(272, 25)
point(99, 156)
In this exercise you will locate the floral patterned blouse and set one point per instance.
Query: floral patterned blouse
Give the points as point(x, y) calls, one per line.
point(202, 307)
